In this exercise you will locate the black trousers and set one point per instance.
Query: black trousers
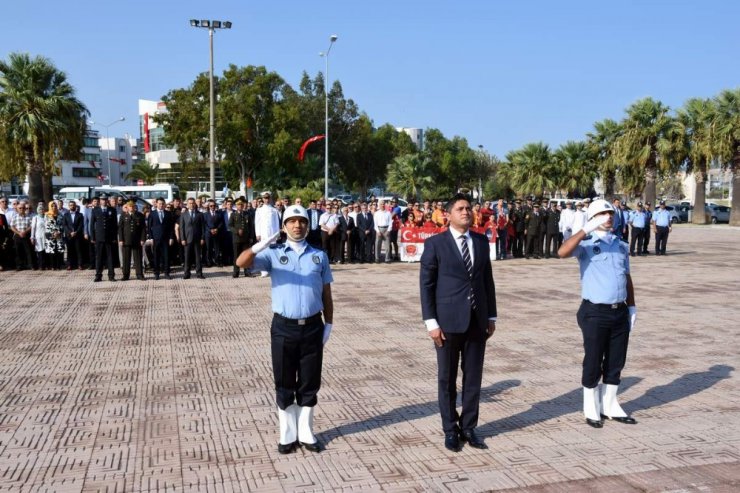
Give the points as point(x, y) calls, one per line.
point(606, 333)
point(517, 248)
point(314, 238)
point(330, 244)
point(465, 351)
point(128, 252)
point(239, 247)
point(661, 239)
point(345, 243)
point(645, 238)
point(192, 253)
point(501, 243)
point(74, 252)
point(551, 245)
point(104, 249)
point(638, 237)
point(297, 355)
point(534, 246)
point(161, 257)
point(23, 249)
point(366, 246)
point(213, 250)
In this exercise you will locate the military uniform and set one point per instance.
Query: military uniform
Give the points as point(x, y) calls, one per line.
point(242, 234)
point(104, 232)
point(132, 233)
point(553, 233)
point(533, 227)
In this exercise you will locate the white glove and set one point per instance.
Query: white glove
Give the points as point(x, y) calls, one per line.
point(594, 223)
point(327, 332)
point(264, 243)
point(633, 316)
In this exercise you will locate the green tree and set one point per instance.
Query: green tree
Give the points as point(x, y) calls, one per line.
point(696, 139)
point(144, 171)
point(728, 143)
point(602, 143)
point(575, 171)
point(529, 170)
point(645, 146)
point(407, 175)
point(41, 121)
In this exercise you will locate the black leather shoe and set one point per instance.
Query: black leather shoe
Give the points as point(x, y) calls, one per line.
point(156, 277)
point(97, 279)
point(628, 420)
point(186, 276)
point(594, 423)
point(472, 439)
point(235, 275)
point(111, 279)
point(452, 441)
point(286, 449)
point(168, 277)
point(200, 276)
point(312, 447)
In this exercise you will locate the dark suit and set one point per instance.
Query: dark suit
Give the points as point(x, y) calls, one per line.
point(446, 289)
point(214, 228)
point(74, 231)
point(104, 232)
point(132, 233)
point(161, 231)
point(314, 230)
point(345, 228)
point(192, 232)
point(365, 223)
point(533, 226)
point(553, 232)
point(242, 234)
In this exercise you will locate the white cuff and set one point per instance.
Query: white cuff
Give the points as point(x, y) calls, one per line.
point(492, 319)
point(431, 324)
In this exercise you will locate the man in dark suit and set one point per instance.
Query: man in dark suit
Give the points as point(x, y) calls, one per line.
point(314, 229)
point(192, 231)
point(365, 228)
point(242, 232)
point(552, 232)
point(131, 237)
point(214, 225)
point(74, 231)
point(104, 230)
point(161, 228)
point(346, 227)
point(458, 305)
point(532, 227)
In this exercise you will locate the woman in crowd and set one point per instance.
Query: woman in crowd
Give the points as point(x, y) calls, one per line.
point(54, 236)
point(38, 236)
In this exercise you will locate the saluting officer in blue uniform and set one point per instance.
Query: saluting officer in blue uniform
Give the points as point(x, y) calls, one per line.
point(638, 220)
point(662, 226)
point(607, 313)
point(301, 293)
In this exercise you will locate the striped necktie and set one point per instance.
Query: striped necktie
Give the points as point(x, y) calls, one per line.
point(469, 266)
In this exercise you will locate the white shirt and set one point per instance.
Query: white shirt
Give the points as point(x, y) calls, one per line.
point(579, 220)
point(566, 219)
point(382, 219)
point(353, 215)
point(266, 221)
point(328, 220)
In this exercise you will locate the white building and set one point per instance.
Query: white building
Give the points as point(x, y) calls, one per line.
point(416, 134)
point(152, 136)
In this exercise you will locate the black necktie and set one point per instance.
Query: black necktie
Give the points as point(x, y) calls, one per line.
point(469, 266)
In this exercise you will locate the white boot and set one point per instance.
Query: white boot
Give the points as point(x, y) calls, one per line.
point(591, 408)
point(610, 408)
point(288, 424)
point(305, 430)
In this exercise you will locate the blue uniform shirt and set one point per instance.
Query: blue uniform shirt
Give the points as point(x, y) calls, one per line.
point(297, 279)
point(638, 219)
point(604, 268)
point(662, 217)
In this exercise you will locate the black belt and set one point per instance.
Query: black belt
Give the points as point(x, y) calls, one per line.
point(299, 321)
point(612, 306)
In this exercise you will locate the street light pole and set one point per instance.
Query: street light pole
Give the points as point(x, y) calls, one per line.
point(107, 139)
point(211, 26)
point(332, 39)
point(480, 182)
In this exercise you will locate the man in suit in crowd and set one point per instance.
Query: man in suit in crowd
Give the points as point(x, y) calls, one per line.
point(87, 214)
point(214, 220)
point(532, 227)
point(458, 305)
point(346, 226)
point(242, 232)
point(553, 232)
point(104, 231)
point(74, 231)
point(131, 237)
point(161, 227)
point(314, 229)
point(365, 228)
point(192, 230)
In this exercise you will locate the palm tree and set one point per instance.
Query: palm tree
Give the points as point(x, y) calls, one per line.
point(602, 143)
point(645, 146)
point(407, 174)
point(41, 120)
point(728, 143)
point(695, 128)
point(576, 170)
point(144, 171)
point(529, 170)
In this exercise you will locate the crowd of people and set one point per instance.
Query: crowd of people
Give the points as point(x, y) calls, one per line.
point(197, 232)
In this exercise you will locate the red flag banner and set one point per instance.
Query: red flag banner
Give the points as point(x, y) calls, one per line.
point(147, 148)
point(305, 145)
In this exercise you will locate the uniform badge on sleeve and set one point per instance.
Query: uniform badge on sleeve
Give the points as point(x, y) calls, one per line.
point(316, 259)
point(597, 250)
point(283, 260)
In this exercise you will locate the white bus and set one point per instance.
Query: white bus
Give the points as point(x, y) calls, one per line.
point(150, 193)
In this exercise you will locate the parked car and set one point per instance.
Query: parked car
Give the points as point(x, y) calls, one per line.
point(401, 203)
point(673, 212)
point(718, 213)
point(682, 210)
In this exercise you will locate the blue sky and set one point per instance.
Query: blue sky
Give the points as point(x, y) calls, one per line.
point(499, 73)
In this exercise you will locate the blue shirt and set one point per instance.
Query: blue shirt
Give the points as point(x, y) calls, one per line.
point(662, 217)
point(297, 279)
point(604, 269)
point(638, 219)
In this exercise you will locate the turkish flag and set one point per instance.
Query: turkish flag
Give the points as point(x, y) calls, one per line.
point(305, 145)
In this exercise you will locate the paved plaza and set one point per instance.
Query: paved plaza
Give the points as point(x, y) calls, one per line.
point(167, 385)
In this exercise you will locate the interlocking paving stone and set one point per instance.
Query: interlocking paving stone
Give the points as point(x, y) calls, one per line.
point(167, 385)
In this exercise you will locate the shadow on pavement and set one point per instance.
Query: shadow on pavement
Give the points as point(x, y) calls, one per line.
point(409, 413)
